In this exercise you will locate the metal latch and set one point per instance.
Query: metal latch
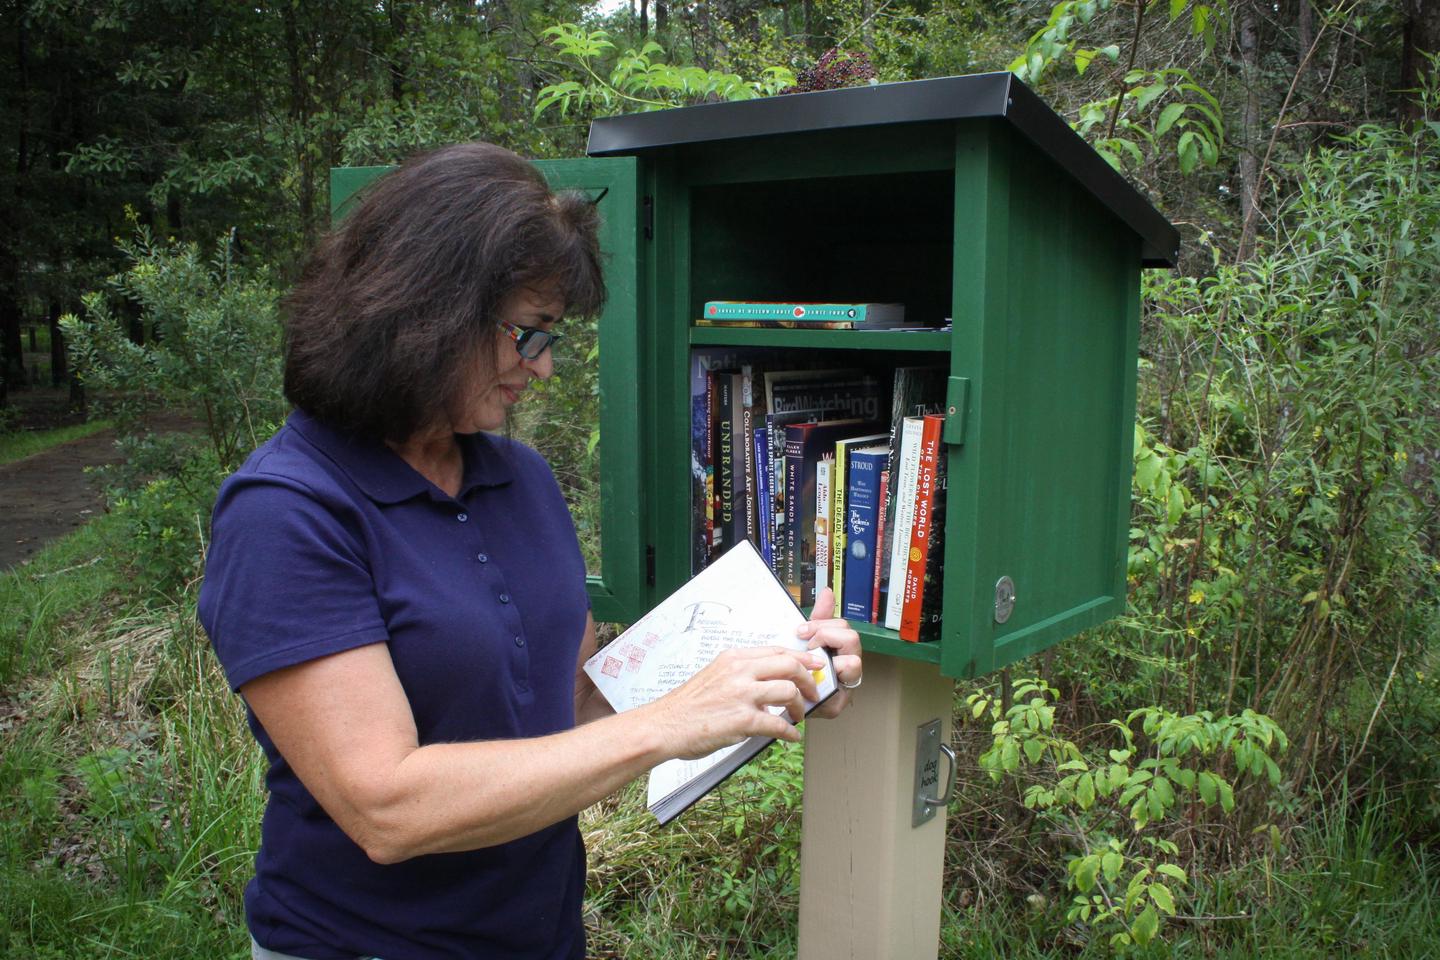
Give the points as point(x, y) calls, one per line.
point(928, 748)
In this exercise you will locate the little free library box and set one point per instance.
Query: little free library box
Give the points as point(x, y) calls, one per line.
point(1017, 249)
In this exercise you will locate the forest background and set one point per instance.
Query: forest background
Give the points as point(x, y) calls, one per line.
point(1245, 763)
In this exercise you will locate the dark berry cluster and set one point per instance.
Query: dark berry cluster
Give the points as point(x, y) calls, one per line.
point(835, 69)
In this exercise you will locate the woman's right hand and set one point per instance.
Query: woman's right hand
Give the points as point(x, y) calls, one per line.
point(728, 700)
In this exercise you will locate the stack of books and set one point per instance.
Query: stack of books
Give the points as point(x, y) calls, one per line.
point(835, 475)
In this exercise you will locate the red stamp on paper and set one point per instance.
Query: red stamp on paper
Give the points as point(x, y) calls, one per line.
point(651, 639)
point(634, 656)
point(611, 667)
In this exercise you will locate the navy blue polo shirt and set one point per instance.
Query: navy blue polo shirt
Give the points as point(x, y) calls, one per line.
point(321, 543)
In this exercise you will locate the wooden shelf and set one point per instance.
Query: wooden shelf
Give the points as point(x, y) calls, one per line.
point(876, 639)
point(918, 340)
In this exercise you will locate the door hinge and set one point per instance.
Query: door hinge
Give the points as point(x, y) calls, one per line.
point(649, 218)
point(649, 565)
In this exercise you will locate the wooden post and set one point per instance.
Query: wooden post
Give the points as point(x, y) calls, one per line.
point(870, 883)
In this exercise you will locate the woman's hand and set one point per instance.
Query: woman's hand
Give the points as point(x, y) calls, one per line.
point(728, 701)
point(824, 629)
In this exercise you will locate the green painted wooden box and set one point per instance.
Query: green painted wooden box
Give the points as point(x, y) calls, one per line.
point(962, 197)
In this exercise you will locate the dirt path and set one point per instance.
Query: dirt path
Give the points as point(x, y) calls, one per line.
point(46, 496)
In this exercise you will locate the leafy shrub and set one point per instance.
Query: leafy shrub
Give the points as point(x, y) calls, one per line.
point(1283, 552)
point(209, 350)
point(1121, 813)
point(213, 349)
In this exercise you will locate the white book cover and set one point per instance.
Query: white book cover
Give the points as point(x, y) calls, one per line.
point(734, 603)
point(904, 517)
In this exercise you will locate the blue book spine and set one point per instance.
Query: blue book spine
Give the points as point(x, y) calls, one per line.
point(765, 509)
point(862, 486)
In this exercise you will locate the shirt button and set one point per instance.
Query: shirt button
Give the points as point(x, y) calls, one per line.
point(504, 598)
point(482, 557)
point(462, 517)
point(519, 641)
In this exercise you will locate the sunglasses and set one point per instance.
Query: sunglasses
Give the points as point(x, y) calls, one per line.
point(530, 342)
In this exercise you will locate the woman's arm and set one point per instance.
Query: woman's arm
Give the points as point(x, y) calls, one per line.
point(590, 704)
point(344, 725)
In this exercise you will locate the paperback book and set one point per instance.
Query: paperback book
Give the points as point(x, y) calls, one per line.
point(869, 314)
point(734, 603)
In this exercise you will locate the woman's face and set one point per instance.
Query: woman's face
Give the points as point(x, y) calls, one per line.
point(489, 397)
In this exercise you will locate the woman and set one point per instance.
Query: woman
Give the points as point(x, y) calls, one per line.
point(399, 596)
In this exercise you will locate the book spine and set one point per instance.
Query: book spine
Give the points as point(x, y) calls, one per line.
point(790, 324)
point(839, 536)
point(735, 529)
point(764, 506)
point(795, 312)
point(709, 465)
point(916, 391)
point(823, 499)
point(881, 560)
point(777, 499)
point(699, 450)
point(724, 464)
point(910, 429)
point(920, 536)
point(932, 593)
point(863, 495)
point(747, 428)
point(792, 464)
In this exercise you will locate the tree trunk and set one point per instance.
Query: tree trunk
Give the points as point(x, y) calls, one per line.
point(1249, 165)
point(1421, 34)
point(58, 362)
point(644, 18)
point(299, 117)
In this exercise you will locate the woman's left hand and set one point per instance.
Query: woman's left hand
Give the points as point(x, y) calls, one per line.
point(824, 629)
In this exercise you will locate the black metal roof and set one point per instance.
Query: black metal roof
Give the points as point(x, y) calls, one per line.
point(948, 98)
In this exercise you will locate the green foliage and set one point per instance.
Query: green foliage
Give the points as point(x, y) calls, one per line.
point(1124, 806)
point(617, 81)
point(1282, 551)
point(1147, 107)
point(213, 348)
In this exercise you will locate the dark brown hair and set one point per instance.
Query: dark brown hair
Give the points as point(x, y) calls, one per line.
point(401, 298)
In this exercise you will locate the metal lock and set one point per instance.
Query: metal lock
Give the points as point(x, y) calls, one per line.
point(1004, 599)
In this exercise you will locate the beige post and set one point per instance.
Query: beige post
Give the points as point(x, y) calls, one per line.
point(870, 883)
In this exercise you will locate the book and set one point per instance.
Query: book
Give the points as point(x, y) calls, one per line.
point(832, 394)
point(775, 425)
point(862, 504)
point(736, 602)
point(915, 392)
point(909, 468)
point(889, 326)
point(932, 600)
point(870, 314)
point(747, 432)
point(823, 499)
point(805, 443)
point(837, 530)
point(722, 439)
point(764, 506)
point(920, 537)
point(881, 559)
point(702, 362)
